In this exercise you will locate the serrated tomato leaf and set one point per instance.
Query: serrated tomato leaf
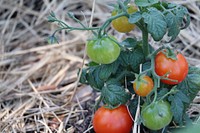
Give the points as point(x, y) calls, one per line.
point(194, 70)
point(83, 78)
point(114, 95)
point(177, 108)
point(191, 85)
point(187, 90)
point(175, 18)
point(156, 24)
point(162, 92)
point(181, 12)
point(134, 18)
point(129, 43)
point(132, 58)
point(184, 98)
point(92, 77)
point(173, 26)
point(144, 3)
point(106, 70)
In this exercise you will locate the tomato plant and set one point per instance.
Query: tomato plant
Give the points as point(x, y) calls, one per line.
point(143, 85)
point(121, 24)
point(157, 115)
point(170, 84)
point(103, 50)
point(115, 120)
point(175, 70)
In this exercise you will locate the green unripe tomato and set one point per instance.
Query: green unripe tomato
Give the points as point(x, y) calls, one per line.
point(103, 50)
point(157, 115)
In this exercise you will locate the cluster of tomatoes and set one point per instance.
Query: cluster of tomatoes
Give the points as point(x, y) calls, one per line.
point(155, 116)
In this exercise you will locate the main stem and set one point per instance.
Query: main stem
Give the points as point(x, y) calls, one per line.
point(145, 42)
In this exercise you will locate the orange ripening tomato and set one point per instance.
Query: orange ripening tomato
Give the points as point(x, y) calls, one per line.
point(143, 86)
point(121, 24)
point(115, 120)
point(171, 69)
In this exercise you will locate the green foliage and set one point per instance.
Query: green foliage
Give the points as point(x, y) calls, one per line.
point(52, 17)
point(128, 43)
point(114, 95)
point(144, 3)
point(156, 24)
point(175, 19)
point(105, 78)
point(187, 90)
point(161, 18)
point(191, 85)
point(113, 80)
point(177, 106)
point(135, 17)
point(132, 59)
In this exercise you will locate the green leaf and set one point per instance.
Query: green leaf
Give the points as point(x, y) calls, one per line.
point(83, 78)
point(175, 17)
point(194, 70)
point(162, 92)
point(173, 26)
point(144, 3)
point(93, 79)
point(129, 43)
point(188, 89)
point(51, 19)
point(191, 85)
point(136, 58)
point(178, 102)
point(156, 24)
point(184, 98)
point(181, 12)
point(114, 95)
point(177, 108)
point(106, 70)
point(132, 58)
point(135, 17)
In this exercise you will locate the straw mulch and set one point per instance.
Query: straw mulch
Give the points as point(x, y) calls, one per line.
point(39, 88)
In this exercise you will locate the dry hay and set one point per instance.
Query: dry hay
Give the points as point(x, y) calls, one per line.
point(39, 88)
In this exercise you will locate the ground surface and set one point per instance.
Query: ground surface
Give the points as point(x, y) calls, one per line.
point(39, 90)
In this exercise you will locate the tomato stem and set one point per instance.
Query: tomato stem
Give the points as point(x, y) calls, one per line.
point(145, 45)
point(172, 91)
point(122, 6)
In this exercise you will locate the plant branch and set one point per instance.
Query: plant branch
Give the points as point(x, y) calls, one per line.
point(145, 45)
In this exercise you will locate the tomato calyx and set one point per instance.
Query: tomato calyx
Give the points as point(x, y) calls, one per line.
point(139, 80)
point(170, 54)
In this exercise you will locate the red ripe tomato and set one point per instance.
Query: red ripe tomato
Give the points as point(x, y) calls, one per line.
point(116, 120)
point(143, 86)
point(170, 68)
